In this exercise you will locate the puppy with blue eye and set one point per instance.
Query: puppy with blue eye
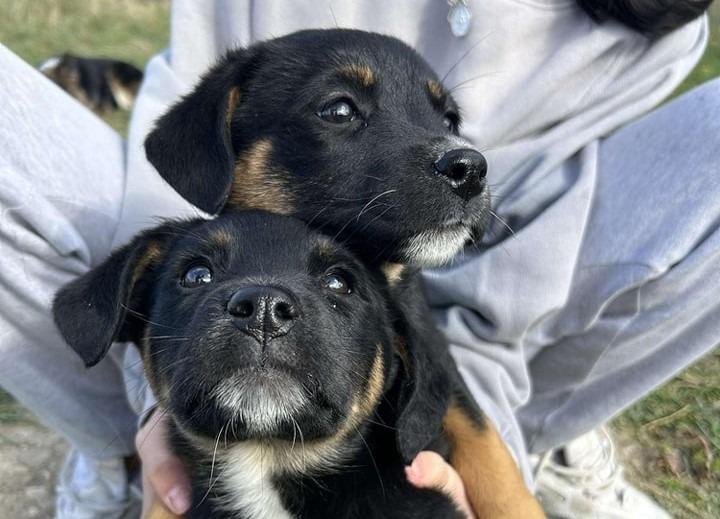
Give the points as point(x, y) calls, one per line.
point(282, 362)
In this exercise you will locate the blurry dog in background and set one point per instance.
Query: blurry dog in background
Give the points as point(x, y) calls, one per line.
point(103, 85)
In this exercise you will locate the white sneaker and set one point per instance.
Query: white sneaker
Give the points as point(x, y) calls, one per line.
point(94, 489)
point(582, 480)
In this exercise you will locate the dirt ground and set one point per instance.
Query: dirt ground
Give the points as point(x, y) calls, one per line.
point(30, 457)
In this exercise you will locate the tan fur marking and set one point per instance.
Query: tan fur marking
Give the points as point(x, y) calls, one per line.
point(393, 272)
point(436, 90)
point(151, 254)
point(221, 237)
point(375, 385)
point(400, 348)
point(258, 184)
point(124, 93)
point(362, 74)
point(362, 407)
point(493, 482)
point(233, 100)
point(324, 247)
point(364, 403)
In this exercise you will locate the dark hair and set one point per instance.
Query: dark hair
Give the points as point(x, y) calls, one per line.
point(651, 17)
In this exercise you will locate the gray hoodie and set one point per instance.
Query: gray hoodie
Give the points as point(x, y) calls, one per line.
point(538, 83)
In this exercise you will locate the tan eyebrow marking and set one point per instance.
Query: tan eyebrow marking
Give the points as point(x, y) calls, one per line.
point(232, 101)
point(361, 74)
point(436, 91)
point(221, 237)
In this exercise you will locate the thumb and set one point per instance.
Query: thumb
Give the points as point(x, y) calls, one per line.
point(164, 475)
point(430, 470)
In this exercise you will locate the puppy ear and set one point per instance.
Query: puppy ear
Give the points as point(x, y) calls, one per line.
point(425, 392)
point(191, 146)
point(98, 308)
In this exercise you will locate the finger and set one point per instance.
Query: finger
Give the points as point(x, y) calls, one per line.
point(430, 470)
point(150, 499)
point(164, 474)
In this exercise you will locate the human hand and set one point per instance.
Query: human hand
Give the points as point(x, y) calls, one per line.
point(430, 470)
point(164, 478)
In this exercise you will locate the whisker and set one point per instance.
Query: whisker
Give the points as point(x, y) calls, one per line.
point(144, 318)
point(332, 13)
point(465, 55)
point(503, 222)
point(389, 191)
point(455, 87)
point(211, 483)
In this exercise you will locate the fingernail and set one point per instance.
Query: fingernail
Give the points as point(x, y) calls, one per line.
point(177, 500)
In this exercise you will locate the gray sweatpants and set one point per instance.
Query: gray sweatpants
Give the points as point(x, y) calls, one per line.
point(640, 300)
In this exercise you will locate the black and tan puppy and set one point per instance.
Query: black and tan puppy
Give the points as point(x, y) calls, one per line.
point(280, 359)
point(349, 130)
point(353, 133)
point(101, 84)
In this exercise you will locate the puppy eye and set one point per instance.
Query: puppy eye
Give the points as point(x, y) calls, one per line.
point(336, 283)
point(196, 276)
point(339, 112)
point(451, 121)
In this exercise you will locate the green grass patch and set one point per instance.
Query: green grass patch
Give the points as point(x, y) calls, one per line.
point(672, 441)
point(129, 30)
point(10, 411)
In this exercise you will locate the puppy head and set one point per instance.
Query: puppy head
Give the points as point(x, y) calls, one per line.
point(347, 130)
point(250, 326)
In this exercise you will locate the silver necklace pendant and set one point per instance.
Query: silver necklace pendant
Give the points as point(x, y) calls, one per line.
point(459, 17)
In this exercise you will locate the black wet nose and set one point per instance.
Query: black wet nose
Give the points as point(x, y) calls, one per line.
point(464, 170)
point(263, 312)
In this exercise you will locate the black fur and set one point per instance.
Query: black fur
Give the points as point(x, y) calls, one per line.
point(374, 184)
point(336, 175)
point(193, 346)
point(371, 181)
point(652, 17)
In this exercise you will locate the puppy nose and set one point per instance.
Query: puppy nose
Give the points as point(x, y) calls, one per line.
point(263, 312)
point(464, 169)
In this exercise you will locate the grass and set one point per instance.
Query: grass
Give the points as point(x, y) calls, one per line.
point(671, 439)
point(130, 30)
point(709, 66)
point(10, 412)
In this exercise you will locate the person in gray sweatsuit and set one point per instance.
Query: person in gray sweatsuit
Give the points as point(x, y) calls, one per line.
point(598, 281)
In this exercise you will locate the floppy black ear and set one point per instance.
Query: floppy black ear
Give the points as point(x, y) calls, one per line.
point(98, 308)
point(191, 146)
point(428, 379)
point(424, 400)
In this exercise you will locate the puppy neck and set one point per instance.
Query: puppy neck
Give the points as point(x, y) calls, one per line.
point(248, 472)
point(246, 480)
